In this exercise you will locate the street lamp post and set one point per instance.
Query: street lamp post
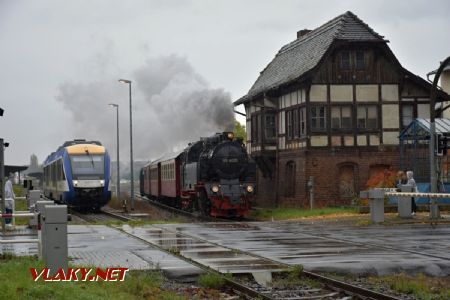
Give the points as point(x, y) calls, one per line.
point(131, 144)
point(2, 176)
point(434, 209)
point(118, 159)
point(2, 180)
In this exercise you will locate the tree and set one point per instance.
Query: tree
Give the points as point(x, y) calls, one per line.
point(239, 131)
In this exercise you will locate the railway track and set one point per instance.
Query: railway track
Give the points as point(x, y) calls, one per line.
point(195, 216)
point(291, 284)
point(101, 216)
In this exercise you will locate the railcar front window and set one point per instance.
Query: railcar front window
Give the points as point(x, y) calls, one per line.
point(87, 165)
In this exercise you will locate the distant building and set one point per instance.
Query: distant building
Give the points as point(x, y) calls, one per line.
point(331, 105)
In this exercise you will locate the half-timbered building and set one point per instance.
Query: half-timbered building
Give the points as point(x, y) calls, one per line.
point(329, 106)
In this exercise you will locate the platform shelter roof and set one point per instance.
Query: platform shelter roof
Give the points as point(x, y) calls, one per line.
point(420, 128)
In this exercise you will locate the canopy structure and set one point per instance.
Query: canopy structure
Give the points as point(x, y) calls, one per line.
point(414, 150)
point(12, 169)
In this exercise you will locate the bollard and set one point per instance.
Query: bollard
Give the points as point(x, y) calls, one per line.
point(376, 199)
point(54, 238)
point(39, 208)
point(404, 203)
point(33, 197)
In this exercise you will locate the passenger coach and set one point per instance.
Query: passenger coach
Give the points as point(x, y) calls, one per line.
point(78, 174)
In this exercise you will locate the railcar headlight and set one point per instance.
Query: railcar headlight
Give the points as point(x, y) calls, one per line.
point(102, 182)
point(75, 183)
point(215, 188)
point(250, 188)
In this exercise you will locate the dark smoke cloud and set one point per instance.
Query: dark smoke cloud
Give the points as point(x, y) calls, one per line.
point(172, 105)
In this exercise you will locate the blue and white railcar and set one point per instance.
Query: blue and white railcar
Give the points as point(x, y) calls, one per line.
point(78, 174)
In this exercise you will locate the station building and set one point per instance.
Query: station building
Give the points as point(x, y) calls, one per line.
point(331, 106)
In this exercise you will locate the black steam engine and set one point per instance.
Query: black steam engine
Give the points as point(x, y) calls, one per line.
point(214, 175)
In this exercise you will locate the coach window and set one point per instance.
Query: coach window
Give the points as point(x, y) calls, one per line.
point(54, 173)
point(63, 176)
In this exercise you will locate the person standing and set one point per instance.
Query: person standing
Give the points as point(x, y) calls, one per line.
point(401, 179)
point(9, 198)
point(412, 182)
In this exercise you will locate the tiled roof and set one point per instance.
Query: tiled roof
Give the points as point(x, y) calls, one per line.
point(303, 54)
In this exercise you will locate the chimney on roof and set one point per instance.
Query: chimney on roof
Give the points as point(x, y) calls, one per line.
point(302, 33)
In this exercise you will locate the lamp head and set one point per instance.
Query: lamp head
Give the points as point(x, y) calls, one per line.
point(124, 81)
point(1, 112)
point(113, 105)
point(6, 144)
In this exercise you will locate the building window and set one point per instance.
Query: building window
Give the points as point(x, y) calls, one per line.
point(360, 63)
point(256, 128)
point(302, 117)
point(407, 114)
point(345, 60)
point(270, 131)
point(318, 118)
point(368, 117)
point(290, 179)
point(295, 122)
point(289, 123)
point(341, 117)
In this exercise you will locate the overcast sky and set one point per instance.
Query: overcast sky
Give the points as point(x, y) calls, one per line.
point(60, 61)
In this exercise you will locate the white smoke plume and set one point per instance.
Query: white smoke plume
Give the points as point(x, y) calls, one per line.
point(172, 105)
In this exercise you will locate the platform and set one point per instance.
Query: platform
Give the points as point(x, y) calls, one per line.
point(102, 246)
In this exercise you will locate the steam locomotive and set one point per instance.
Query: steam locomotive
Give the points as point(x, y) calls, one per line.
point(214, 176)
point(78, 174)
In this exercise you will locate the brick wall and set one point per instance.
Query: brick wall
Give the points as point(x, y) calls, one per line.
point(336, 172)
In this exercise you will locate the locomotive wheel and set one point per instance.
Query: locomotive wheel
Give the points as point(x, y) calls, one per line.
point(204, 204)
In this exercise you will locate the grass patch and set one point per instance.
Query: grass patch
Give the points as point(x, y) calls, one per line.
point(421, 286)
point(292, 278)
point(211, 280)
point(19, 190)
point(16, 283)
point(296, 213)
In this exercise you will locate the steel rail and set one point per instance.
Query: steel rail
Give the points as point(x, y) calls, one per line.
point(346, 287)
point(183, 212)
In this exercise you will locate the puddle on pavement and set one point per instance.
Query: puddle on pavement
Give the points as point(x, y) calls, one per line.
point(211, 254)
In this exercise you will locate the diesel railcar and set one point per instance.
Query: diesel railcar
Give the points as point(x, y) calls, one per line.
point(78, 174)
point(214, 176)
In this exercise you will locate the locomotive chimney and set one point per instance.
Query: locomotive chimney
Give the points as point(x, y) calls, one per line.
point(302, 32)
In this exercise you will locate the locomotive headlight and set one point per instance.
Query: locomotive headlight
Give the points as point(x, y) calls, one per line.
point(75, 183)
point(230, 135)
point(250, 189)
point(215, 188)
